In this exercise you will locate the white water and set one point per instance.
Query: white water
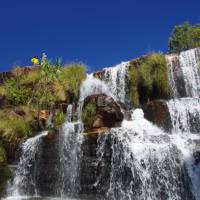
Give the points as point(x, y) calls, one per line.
point(70, 140)
point(189, 65)
point(185, 66)
point(115, 78)
point(93, 86)
point(171, 60)
point(184, 112)
point(145, 163)
point(23, 180)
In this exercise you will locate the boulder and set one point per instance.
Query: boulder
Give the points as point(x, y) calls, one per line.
point(157, 112)
point(107, 111)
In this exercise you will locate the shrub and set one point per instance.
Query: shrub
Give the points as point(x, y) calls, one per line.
point(2, 154)
point(19, 126)
point(134, 76)
point(31, 78)
point(88, 114)
point(17, 92)
point(71, 77)
point(3, 91)
point(14, 126)
point(184, 37)
point(59, 119)
point(149, 80)
point(154, 74)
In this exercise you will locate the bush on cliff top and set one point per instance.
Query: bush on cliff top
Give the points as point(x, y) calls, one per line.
point(13, 126)
point(149, 80)
point(71, 77)
point(45, 86)
point(184, 37)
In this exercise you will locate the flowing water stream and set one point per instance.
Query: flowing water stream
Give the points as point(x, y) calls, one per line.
point(145, 163)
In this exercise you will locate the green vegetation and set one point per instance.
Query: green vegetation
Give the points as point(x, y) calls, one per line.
point(5, 175)
point(71, 78)
point(34, 90)
point(59, 118)
point(184, 37)
point(88, 114)
point(149, 80)
point(2, 154)
point(45, 86)
point(13, 126)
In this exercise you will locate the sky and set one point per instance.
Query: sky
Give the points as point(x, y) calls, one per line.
point(99, 33)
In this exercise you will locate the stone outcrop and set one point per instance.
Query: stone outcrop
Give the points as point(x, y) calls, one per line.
point(157, 112)
point(91, 169)
point(108, 112)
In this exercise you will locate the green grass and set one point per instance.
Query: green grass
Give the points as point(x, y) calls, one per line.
point(59, 119)
point(149, 80)
point(2, 154)
point(13, 126)
point(88, 114)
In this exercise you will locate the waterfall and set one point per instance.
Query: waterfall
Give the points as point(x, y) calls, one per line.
point(185, 115)
point(92, 86)
point(172, 62)
point(184, 73)
point(25, 179)
point(70, 141)
point(69, 116)
point(185, 112)
point(189, 64)
point(145, 163)
point(115, 78)
point(185, 118)
point(137, 161)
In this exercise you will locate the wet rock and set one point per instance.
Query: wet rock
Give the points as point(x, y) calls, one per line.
point(5, 175)
point(177, 89)
point(108, 112)
point(157, 112)
point(196, 156)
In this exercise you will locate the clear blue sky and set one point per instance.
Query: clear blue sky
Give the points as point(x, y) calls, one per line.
point(97, 32)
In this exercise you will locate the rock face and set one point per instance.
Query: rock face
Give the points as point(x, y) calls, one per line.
point(177, 85)
point(91, 169)
point(157, 112)
point(47, 162)
point(108, 112)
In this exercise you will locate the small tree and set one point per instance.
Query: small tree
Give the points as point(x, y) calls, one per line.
point(184, 37)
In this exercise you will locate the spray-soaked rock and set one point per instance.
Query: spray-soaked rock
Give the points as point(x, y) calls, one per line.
point(106, 112)
point(157, 112)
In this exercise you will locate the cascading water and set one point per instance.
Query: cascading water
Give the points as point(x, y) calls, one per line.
point(25, 178)
point(185, 115)
point(94, 86)
point(185, 118)
point(137, 161)
point(70, 140)
point(184, 73)
point(115, 78)
point(185, 112)
point(189, 64)
point(145, 164)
